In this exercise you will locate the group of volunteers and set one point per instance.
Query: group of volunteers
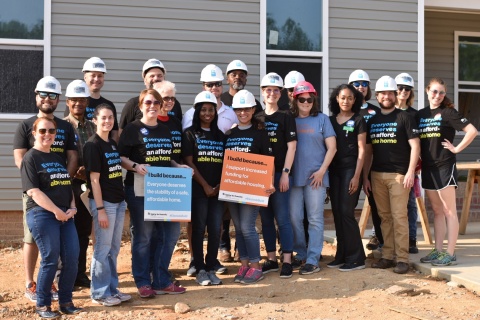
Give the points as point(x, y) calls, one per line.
point(73, 184)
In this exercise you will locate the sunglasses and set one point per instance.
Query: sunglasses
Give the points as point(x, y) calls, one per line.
point(406, 88)
point(442, 93)
point(149, 102)
point(169, 99)
point(240, 110)
point(213, 84)
point(44, 131)
point(51, 96)
point(270, 91)
point(303, 100)
point(358, 84)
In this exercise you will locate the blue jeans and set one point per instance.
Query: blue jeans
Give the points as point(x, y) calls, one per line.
point(54, 239)
point(278, 209)
point(246, 237)
point(107, 246)
point(206, 213)
point(412, 215)
point(167, 236)
point(314, 200)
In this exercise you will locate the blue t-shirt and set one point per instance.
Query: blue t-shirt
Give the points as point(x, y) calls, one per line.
point(311, 148)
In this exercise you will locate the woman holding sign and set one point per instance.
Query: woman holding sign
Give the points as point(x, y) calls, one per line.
point(144, 143)
point(202, 150)
point(249, 136)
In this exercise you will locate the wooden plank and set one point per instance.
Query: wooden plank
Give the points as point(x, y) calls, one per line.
point(362, 223)
point(424, 220)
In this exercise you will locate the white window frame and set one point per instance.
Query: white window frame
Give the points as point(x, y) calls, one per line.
point(46, 43)
point(323, 55)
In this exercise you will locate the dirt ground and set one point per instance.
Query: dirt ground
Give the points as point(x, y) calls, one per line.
point(330, 294)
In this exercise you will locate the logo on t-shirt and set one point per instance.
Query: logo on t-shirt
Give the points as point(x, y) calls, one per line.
point(463, 120)
point(144, 131)
point(350, 123)
point(292, 133)
point(438, 116)
point(372, 112)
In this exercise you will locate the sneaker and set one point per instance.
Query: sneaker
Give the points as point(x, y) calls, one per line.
point(213, 278)
point(31, 291)
point(444, 259)
point(412, 246)
point(202, 278)
point(431, 256)
point(240, 274)
point(219, 268)
point(383, 264)
point(350, 266)
point(373, 243)
point(171, 289)
point(401, 267)
point(335, 264)
point(224, 255)
point(54, 292)
point(286, 271)
point(297, 263)
point(122, 296)
point(309, 269)
point(252, 276)
point(146, 292)
point(108, 301)
point(269, 266)
point(191, 269)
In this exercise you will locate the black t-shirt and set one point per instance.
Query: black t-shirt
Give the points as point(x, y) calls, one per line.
point(65, 138)
point(103, 157)
point(389, 135)
point(207, 153)
point(227, 99)
point(131, 112)
point(47, 172)
point(145, 145)
point(248, 140)
point(435, 125)
point(175, 127)
point(281, 128)
point(347, 141)
point(368, 111)
point(92, 105)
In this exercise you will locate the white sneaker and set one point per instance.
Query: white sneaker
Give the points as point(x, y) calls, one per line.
point(108, 301)
point(122, 296)
point(202, 278)
point(191, 270)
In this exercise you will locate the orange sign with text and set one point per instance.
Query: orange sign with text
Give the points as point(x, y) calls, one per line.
point(245, 177)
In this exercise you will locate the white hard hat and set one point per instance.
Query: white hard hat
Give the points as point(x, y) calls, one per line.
point(77, 89)
point(404, 79)
point(237, 65)
point(292, 78)
point(211, 73)
point(358, 75)
point(386, 83)
point(48, 84)
point(272, 79)
point(94, 64)
point(205, 96)
point(243, 99)
point(153, 63)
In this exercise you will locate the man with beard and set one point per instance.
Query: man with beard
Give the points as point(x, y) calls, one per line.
point(153, 71)
point(47, 94)
point(237, 73)
point(392, 152)
point(77, 94)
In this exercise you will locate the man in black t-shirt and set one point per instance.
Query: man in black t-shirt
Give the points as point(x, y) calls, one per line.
point(392, 140)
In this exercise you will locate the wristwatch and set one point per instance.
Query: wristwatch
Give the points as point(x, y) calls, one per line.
point(286, 170)
point(134, 165)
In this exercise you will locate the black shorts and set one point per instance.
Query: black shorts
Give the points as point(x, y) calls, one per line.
point(439, 178)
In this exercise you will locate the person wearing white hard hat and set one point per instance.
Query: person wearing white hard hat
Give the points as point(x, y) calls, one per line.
point(405, 98)
point(153, 71)
point(47, 94)
point(291, 80)
point(249, 136)
point(77, 95)
point(360, 80)
point(392, 152)
point(237, 73)
point(282, 131)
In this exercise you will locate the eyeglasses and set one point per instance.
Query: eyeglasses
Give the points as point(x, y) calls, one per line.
point(51, 96)
point(357, 84)
point(274, 91)
point(406, 88)
point(44, 131)
point(213, 84)
point(78, 100)
point(169, 99)
point(303, 100)
point(435, 92)
point(240, 110)
point(149, 102)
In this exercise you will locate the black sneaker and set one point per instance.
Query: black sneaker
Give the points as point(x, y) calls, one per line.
point(297, 263)
point(269, 266)
point(412, 246)
point(335, 264)
point(309, 269)
point(352, 266)
point(286, 270)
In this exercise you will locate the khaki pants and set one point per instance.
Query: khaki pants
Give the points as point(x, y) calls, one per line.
point(391, 199)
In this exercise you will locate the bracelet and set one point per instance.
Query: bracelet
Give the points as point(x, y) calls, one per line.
point(74, 208)
point(100, 208)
